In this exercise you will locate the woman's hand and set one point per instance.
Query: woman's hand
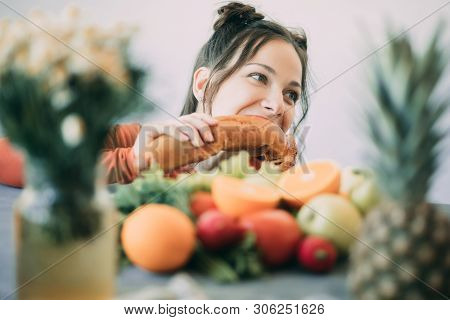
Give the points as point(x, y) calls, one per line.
point(194, 127)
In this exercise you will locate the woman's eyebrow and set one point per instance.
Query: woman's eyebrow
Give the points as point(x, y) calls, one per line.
point(271, 70)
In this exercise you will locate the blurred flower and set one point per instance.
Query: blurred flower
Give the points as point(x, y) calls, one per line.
point(78, 64)
point(110, 61)
point(65, 46)
point(58, 75)
point(38, 17)
point(61, 99)
point(72, 130)
point(71, 13)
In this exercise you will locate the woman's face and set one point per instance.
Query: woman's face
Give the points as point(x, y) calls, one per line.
point(268, 85)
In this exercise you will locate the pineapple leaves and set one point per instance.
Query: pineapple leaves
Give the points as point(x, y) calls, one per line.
point(403, 125)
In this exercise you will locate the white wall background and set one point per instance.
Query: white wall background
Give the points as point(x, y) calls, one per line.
point(340, 33)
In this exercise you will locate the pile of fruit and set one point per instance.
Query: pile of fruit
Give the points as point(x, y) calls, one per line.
point(237, 222)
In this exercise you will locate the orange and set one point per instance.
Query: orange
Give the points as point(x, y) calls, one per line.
point(237, 197)
point(302, 183)
point(158, 238)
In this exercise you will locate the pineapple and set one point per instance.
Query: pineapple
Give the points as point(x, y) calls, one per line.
point(404, 247)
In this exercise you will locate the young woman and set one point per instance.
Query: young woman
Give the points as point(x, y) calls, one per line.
point(249, 66)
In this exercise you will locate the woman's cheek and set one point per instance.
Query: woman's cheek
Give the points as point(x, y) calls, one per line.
point(224, 107)
point(288, 119)
point(229, 98)
point(230, 102)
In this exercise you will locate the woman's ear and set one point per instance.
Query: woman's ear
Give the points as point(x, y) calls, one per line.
point(201, 76)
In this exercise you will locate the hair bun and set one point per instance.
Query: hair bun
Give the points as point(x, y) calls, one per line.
point(300, 38)
point(236, 13)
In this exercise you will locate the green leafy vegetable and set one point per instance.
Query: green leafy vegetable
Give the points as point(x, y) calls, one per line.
point(234, 264)
point(153, 187)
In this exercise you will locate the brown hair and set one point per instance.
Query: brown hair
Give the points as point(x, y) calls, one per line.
point(238, 27)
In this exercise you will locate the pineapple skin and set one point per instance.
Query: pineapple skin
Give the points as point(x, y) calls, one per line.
point(399, 249)
point(403, 252)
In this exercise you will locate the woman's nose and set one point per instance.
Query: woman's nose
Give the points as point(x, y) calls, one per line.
point(273, 104)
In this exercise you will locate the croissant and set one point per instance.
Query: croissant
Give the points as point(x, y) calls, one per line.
point(257, 135)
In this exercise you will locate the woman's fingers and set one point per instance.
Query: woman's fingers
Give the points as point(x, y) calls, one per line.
point(194, 127)
point(207, 118)
point(169, 128)
point(175, 132)
point(192, 133)
point(202, 127)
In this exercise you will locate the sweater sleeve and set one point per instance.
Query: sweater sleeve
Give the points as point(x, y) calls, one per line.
point(117, 157)
point(122, 136)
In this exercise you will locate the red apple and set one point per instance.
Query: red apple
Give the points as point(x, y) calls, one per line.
point(316, 254)
point(277, 234)
point(201, 201)
point(217, 230)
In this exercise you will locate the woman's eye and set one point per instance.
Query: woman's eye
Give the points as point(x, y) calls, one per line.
point(258, 77)
point(292, 96)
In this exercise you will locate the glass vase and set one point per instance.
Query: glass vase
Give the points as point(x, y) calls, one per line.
point(66, 238)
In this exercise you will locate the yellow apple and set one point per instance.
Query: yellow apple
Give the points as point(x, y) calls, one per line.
point(351, 177)
point(359, 186)
point(333, 217)
point(365, 196)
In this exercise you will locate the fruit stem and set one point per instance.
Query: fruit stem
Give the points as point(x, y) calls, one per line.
point(321, 255)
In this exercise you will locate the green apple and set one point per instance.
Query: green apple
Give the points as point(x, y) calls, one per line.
point(351, 178)
point(237, 166)
point(333, 217)
point(365, 196)
point(267, 175)
point(360, 187)
point(198, 181)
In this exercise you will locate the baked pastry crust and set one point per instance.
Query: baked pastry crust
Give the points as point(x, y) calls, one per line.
point(257, 135)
